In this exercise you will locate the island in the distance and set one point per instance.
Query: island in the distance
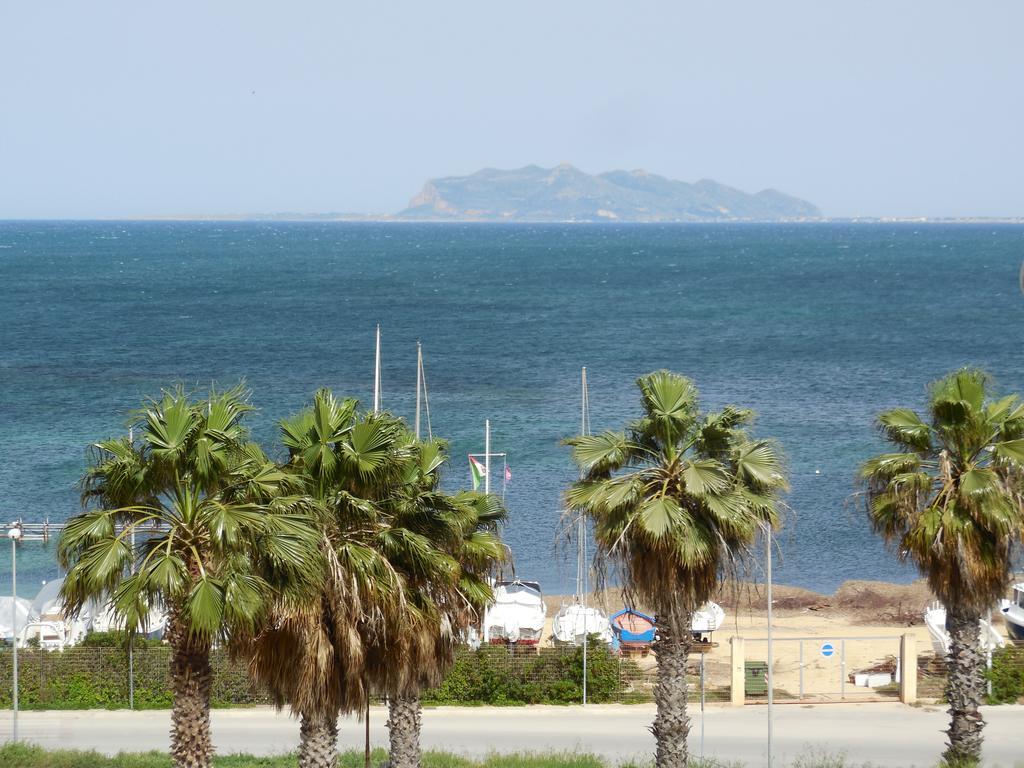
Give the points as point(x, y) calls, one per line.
point(565, 193)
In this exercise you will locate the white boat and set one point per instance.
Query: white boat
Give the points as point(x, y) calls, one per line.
point(517, 614)
point(573, 623)
point(48, 622)
point(1013, 613)
point(103, 619)
point(935, 620)
point(706, 620)
point(13, 608)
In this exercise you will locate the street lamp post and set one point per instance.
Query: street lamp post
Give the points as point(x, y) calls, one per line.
point(14, 534)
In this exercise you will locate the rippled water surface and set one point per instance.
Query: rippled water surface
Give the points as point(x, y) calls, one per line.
point(816, 327)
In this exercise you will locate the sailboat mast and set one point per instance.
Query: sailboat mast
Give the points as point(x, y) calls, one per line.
point(376, 375)
point(487, 456)
point(419, 385)
point(581, 565)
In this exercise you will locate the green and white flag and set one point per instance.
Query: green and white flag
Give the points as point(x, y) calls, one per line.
point(478, 471)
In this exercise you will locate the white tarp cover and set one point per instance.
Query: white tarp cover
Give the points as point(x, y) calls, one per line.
point(574, 622)
point(709, 618)
point(518, 612)
point(23, 608)
point(104, 620)
point(48, 601)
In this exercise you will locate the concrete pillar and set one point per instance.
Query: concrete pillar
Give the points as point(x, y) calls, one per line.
point(908, 669)
point(737, 686)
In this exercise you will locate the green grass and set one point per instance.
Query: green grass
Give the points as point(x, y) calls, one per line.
point(25, 756)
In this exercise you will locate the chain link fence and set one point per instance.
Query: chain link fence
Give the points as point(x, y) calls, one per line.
point(104, 678)
point(1005, 676)
point(98, 678)
point(853, 669)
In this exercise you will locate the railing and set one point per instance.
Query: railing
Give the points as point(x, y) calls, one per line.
point(824, 669)
point(84, 677)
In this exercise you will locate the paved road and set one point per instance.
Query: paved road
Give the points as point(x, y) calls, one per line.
point(882, 734)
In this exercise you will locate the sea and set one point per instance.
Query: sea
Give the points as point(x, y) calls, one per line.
point(817, 327)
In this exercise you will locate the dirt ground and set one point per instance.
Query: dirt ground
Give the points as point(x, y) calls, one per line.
point(870, 604)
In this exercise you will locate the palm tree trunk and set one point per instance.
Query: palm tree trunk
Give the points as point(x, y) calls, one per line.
point(191, 680)
point(965, 690)
point(318, 741)
point(404, 719)
point(671, 724)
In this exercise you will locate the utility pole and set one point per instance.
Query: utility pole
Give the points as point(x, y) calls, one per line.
point(14, 534)
point(419, 385)
point(376, 375)
point(585, 407)
point(487, 456)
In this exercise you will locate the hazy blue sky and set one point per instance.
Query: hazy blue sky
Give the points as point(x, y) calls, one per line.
point(129, 108)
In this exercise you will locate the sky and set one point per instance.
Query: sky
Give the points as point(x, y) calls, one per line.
point(132, 109)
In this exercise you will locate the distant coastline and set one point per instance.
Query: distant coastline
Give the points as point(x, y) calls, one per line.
point(391, 219)
point(566, 195)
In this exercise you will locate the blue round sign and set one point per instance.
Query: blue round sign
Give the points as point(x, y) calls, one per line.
point(827, 649)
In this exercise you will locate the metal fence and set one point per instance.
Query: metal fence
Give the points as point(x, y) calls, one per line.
point(804, 669)
point(823, 669)
point(1005, 675)
point(101, 677)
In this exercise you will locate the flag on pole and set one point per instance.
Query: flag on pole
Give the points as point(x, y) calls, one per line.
point(508, 474)
point(478, 471)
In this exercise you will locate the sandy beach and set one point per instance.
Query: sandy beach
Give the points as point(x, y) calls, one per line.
point(862, 621)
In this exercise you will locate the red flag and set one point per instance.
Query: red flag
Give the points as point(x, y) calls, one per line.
point(508, 474)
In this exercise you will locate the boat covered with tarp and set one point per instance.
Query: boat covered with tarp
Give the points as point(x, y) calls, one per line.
point(573, 623)
point(517, 614)
point(49, 623)
point(13, 609)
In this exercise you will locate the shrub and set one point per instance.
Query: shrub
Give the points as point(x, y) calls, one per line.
point(116, 640)
point(95, 676)
point(500, 675)
point(1007, 675)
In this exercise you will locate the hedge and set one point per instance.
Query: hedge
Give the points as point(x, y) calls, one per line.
point(95, 676)
point(497, 675)
point(1007, 675)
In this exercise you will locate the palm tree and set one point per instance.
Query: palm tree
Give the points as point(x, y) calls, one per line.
point(444, 546)
point(312, 655)
point(950, 501)
point(675, 499)
point(192, 517)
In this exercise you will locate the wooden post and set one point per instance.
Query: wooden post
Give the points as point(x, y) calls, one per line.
point(908, 669)
point(737, 687)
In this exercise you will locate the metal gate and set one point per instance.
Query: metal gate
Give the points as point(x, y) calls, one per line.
point(820, 669)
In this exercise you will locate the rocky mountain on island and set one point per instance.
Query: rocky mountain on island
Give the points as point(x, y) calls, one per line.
point(565, 193)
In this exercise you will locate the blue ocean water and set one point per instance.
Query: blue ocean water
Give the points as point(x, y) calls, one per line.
point(816, 327)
